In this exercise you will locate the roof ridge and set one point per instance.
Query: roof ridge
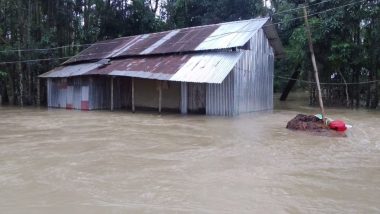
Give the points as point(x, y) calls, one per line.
point(193, 27)
point(204, 37)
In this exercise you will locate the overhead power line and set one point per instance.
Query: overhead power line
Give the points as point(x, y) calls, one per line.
point(299, 8)
point(272, 24)
point(185, 42)
point(301, 17)
point(327, 83)
point(55, 48)
point(89, 44)
point(313, 82)
point(34, 60)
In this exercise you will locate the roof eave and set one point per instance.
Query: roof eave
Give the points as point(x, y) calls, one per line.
point(274, 40)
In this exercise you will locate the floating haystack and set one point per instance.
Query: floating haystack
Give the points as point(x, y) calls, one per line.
point(313, 124)
point(307, 123)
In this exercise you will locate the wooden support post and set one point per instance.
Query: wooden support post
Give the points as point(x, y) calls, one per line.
point(38, 92)
point(159, 96)
point(112, 93)
point(314, 63)
point(133, 94)
point(184, 98)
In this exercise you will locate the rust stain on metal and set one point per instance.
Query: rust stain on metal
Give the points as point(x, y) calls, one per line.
point(187, 39)
point(99, 50)
point(164, 64)
point(143, 44)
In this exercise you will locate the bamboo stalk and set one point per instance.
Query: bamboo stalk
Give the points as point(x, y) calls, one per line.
point(133, 95)
point(314, 64)
point(112, 93)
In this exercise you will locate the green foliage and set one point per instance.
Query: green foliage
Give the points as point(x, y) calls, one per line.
point(344, 38)
point(3, 75)
point(185, 13)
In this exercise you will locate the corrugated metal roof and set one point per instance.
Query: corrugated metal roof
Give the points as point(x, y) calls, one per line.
point(201, 38)
point(199, 54)
point(100, 50)
point(207, 68)
point(71, 70)
point(232, 34)
point(199, 68)
point(153, 67)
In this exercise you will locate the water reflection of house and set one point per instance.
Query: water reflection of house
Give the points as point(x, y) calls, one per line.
point(221, 69)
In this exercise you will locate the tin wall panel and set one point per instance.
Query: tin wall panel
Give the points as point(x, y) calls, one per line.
point(220, 97)
point(69, 97)
point(123, 93)
point(100, 93)
point(77, 93)
point(184, 98)
point(254, 76)
point(196, 102)
point(49, 86)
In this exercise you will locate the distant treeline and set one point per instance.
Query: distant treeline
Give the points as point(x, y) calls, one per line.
point(346, 36)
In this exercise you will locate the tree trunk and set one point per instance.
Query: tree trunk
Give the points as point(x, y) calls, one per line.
point(374, 100)
point(10, 88)
point(19, 71)
point(346, 89)
point(28, 41)
point(290, 84)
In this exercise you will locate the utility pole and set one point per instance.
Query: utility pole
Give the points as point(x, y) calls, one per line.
point(314, 63)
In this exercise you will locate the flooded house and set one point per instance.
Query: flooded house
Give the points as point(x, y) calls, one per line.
point(221, 69)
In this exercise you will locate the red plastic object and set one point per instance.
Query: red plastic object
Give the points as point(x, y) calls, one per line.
point(338, 125)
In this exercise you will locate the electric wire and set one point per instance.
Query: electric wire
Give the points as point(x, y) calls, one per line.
point(219, 35)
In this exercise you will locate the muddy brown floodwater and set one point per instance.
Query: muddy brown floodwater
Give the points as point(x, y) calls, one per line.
point(61, 161)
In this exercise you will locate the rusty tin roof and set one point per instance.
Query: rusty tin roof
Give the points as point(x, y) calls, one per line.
point(201, 38)
point(206, 67)
point(198, 54)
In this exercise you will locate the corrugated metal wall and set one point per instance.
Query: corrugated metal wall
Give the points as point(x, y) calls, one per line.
point(196, 97)
point(122, 92)
point(94, 93)
point(70, 93)
point(250, 86)
point(88, 93)
point(253, 76)
point(220, 97)
point(100, 93)
point(184, 98)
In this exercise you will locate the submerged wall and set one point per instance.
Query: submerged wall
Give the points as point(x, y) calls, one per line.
point(70, 93)
point(87, 93)
point(94, 93)
point(248, 88)
point(147, 94)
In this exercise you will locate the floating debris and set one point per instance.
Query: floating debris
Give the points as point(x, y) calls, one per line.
point(314, 124)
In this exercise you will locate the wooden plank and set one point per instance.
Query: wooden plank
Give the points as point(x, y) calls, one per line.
point(112, 101)
point(133, 95)
point(184, 97)
point(159, 96)
point(38, 92)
